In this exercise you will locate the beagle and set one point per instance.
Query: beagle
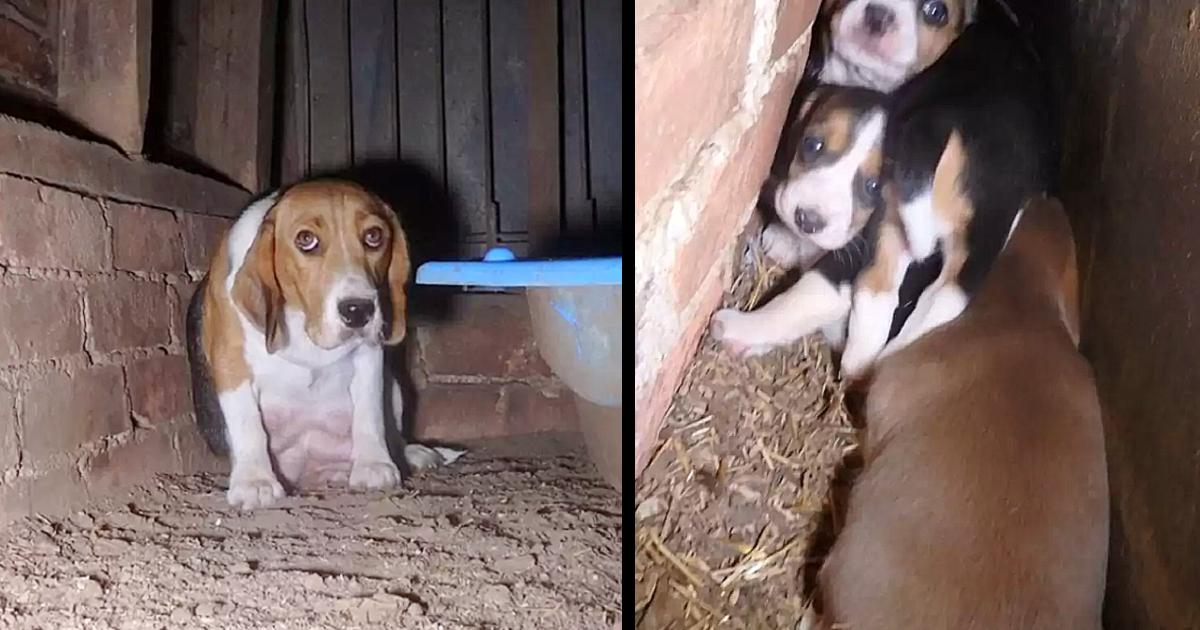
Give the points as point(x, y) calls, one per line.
point(830, 195)
point(968, 141)
point(880, 44)
point(983, 501)
point(285, 339)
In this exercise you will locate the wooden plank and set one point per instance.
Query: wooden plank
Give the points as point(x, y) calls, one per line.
point(605, 109)
point(373, 79)
point(509, 34)
point(329, 85)
point(543, 219)
point(294, 127)
point(419, 33)
point(466, 112)
point(104, 67)
point(220, 96)
point(31, 150)
point(578, 205)
point(29, 47)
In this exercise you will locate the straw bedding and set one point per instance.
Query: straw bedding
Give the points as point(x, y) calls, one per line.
point(730, 506)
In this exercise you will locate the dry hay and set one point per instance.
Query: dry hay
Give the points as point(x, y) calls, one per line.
point(729, 505)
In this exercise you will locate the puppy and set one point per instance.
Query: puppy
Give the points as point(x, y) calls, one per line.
point(831, 193)
point(879, 44)
point(285, 338)
point(984, 501)
point(968, 141)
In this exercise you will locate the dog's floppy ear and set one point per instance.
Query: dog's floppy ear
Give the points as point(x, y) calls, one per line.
point(256, 288)
point(398, 269)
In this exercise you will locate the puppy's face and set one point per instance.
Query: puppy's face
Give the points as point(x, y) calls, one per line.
point(335, 253)
point(833, 185)
point(895, 39)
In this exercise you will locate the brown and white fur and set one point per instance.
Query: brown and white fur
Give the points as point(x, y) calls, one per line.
point(983, 502)
point(286, 337)
point(879, 44)
point(831, 193)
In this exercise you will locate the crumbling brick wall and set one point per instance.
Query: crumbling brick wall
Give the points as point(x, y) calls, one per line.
point(713, 82)
point(94, 384)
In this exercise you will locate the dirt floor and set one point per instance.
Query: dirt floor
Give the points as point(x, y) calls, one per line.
point(498, 540)
point(733, 509)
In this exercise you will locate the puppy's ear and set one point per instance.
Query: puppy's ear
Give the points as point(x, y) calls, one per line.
point(256, 290)
point(398, 269)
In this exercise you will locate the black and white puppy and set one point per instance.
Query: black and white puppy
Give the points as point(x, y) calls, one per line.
point(832, 196)
point(969, 142)
point(876, 44)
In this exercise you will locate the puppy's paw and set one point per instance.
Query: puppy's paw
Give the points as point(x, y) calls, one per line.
point(780, 245)
point(734, 330)
point(255, 489)
point(855, 363)
point(374, 475)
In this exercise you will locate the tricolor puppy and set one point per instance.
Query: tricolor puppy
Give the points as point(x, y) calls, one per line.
point(831, 193)
point(285, 338)
point(983, 502)
point(881, 43)
point(969, 140)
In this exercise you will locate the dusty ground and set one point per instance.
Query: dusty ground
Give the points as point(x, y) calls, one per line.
point(496, 541)
point(733, 508)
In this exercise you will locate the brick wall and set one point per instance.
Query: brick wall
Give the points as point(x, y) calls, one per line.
point(94, 386)
point(713, 81)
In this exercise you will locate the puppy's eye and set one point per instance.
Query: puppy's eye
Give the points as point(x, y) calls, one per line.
point(811, 147)
point(871, 187)
point(935, 12)
point(373, 237)
point(306, 241)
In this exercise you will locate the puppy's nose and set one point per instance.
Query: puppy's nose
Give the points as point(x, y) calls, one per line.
point(356, 312)
point(808, 221)
point(878, 18)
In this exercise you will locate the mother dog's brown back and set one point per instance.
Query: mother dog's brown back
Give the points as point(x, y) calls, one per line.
point(984, 500)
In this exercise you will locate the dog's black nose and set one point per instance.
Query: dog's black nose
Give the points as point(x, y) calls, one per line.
point(808, 221)
point(355, 313)
point(878, 18)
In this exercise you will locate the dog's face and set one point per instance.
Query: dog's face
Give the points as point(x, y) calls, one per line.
point(895, 39)
point(336, 254)
point(833, 184)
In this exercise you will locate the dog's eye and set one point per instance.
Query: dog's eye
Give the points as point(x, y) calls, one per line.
point(811, 147)
point(871, 187)
point(373, 237)
point(306, 241)
point(935, 13)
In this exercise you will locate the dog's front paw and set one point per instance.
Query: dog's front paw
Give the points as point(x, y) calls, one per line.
point(780, 245)
point(734, 330)
point(856, 363)
point(253, 490)
point(374, 475)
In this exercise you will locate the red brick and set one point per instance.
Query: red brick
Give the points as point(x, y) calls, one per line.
point(488, 336)
point(201, 236)
point(792, 21)
point(14, 501)
point(9, 457)
point(48, 228)
point(145, 239)
point(42, 319)
point(159, 388)
point(128, 313)
point(690, 65)
point(734, 194)
point(651, 406)
point(470, 411)
point(55, 492)
point(61, 411)
point(121, 467)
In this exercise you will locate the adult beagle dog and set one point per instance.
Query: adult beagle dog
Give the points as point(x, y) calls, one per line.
point(285, 339)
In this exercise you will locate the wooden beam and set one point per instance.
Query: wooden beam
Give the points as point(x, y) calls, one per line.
point(373, 79)
point(329, 85)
